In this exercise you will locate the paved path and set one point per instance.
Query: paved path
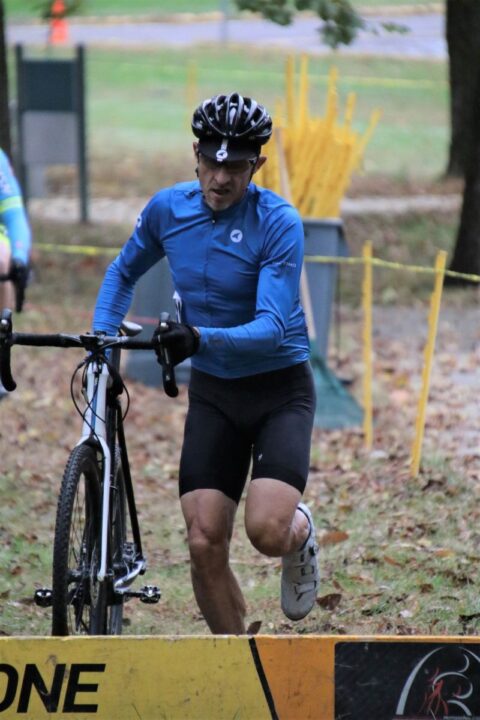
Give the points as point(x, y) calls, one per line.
point(125, 211)
point(424, 39)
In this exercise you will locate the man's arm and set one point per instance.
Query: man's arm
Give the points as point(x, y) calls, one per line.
point(142, 250)
point(12, 213)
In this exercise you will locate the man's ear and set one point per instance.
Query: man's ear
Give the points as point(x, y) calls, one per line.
point(195, 150)
point(261, 161)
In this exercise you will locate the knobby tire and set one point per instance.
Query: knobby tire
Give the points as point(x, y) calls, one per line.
point(82, 604)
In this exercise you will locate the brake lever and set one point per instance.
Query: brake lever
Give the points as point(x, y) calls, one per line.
point(6, 327)
point(168, 369)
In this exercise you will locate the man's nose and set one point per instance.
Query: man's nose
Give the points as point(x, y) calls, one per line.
point(221, 174)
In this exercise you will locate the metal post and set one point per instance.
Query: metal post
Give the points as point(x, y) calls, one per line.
point(82, 150)
point(224, 21)
point(20, 163)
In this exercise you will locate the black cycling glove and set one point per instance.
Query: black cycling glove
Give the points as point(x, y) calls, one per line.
point(181, 341)
point(19, 272)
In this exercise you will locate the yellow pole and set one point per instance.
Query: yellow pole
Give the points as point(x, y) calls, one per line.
point(303, 93)
point(290, 91)
point(367, 293)
point(428, 361)
point(191, 90)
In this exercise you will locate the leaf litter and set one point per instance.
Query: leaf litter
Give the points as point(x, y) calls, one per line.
point(397, 554)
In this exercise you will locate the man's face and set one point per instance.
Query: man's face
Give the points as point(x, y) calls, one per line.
point(224, 184)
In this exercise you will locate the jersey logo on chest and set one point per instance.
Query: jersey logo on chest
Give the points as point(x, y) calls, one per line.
point(236, 236)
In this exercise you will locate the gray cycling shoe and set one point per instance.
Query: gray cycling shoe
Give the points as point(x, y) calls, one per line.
point(300, 575)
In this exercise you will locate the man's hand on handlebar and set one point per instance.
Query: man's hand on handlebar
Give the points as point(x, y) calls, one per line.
point(181, 340)
point(19, 272)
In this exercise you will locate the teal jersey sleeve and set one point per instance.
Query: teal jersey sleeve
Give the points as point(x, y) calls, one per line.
point(12, 213)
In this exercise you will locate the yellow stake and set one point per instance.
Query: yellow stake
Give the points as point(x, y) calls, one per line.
point(367, 292)
point(191, 89)
point(290, 91)
point(304, 112)
point(428, 361)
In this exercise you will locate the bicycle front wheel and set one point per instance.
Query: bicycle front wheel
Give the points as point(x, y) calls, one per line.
point(79, 603)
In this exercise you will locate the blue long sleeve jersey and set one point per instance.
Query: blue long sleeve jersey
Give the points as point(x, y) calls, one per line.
point(12, 212)
point(236, 271)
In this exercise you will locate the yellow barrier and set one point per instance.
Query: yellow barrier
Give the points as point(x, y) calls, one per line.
point(294, 677)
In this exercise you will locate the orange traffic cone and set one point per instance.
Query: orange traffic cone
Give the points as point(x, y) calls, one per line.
point(58, 25)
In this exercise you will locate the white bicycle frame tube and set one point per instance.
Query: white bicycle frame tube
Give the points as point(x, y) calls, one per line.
point(94, 423)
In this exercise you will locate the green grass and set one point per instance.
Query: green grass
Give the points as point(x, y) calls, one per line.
point(140, 102)
point(29, 8)
point(411, 138)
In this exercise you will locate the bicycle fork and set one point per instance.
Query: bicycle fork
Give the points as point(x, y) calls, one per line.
point(94, 424)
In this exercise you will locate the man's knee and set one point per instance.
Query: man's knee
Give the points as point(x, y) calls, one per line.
point(208, 546)
point(269, 514)
point(268, 533)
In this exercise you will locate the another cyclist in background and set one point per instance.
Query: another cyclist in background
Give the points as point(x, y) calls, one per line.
point(15, 237)
point(235, 251)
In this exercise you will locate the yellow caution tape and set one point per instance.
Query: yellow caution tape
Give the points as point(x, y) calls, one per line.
point(388, 82)
point(91, 250)
point(77, 249)
point(388, 264)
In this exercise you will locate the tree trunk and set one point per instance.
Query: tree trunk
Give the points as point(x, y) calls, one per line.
point(463, 41)
point(466, 257)
point(5, 138)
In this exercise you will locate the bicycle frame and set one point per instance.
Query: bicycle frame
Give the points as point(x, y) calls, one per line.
point(99, 429)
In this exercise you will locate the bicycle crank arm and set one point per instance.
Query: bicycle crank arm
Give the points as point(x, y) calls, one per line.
point(122, 584)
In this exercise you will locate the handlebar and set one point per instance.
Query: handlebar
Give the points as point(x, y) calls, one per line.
point(88, 341)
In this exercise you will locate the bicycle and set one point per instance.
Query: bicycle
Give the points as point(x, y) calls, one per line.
point(97, 549)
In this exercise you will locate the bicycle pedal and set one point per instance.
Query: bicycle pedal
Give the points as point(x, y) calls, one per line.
point(43, 597)
point(150, 594)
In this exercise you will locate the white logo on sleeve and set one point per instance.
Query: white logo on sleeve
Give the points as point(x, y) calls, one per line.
point(139, 221)
point(236, 236)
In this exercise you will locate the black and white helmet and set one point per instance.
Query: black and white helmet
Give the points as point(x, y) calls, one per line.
point(238, 124)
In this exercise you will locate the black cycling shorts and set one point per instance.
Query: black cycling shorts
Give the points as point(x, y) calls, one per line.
point(265, 418)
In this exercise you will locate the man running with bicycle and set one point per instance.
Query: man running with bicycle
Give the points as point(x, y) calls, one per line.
point(15, 237)
point(235, 251)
